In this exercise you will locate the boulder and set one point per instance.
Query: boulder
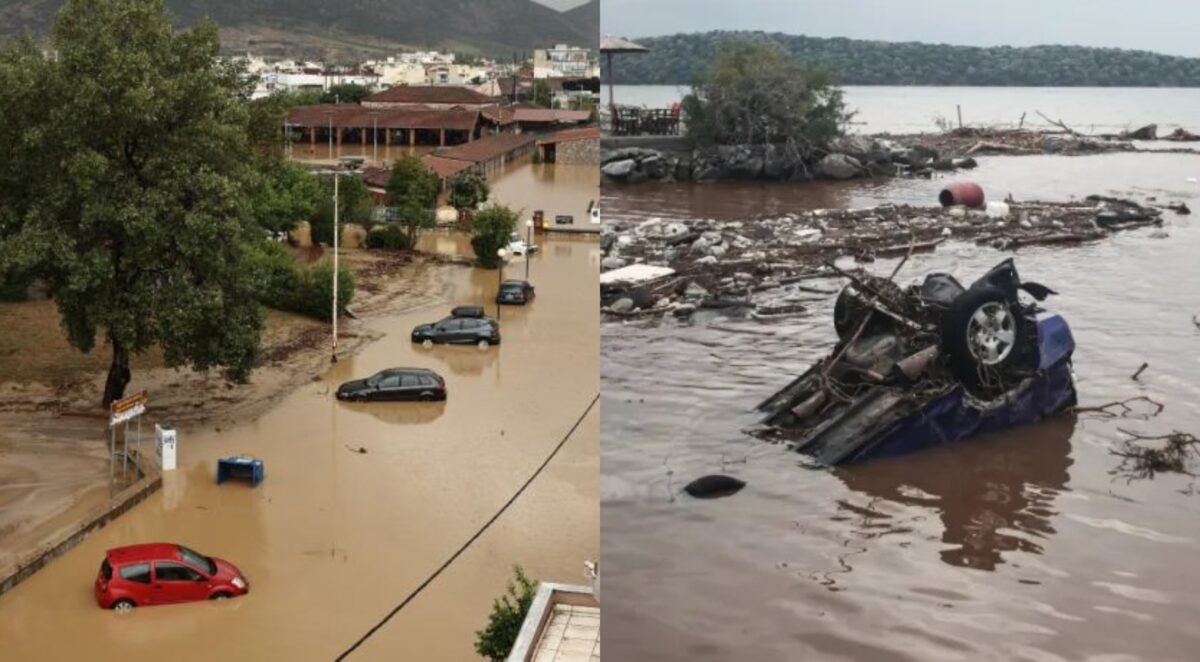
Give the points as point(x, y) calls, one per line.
point(863, 148)
point(626, 153)
point(622, 305)
point(839, 166)
point(1148, 132)
point(619, 169)
point(610, 263)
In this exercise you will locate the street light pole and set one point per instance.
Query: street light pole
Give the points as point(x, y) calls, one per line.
point(337, 178)
point(375, 139)
point(500, 280)
point(528, 245)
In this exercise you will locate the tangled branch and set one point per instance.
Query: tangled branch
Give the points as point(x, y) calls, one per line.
point(1139, 462)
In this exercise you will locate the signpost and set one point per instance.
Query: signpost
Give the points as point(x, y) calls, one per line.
point(122, 412)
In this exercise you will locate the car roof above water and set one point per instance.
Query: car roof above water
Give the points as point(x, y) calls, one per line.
point(141, 553)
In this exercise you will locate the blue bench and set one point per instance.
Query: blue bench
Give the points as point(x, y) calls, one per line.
point(240, 466)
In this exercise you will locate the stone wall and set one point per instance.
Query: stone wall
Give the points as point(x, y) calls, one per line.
point(578, 152)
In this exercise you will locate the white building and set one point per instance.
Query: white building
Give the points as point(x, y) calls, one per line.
point(562, 61)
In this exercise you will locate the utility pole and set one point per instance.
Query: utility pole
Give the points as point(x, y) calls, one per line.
point(337, 178)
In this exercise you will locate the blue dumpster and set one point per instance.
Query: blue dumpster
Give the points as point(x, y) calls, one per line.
point(240, 466)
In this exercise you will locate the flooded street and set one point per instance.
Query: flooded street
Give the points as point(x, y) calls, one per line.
point(1017, 546)
point(334, 539)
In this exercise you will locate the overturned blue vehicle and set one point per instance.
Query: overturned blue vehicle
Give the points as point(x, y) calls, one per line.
point(927, 365)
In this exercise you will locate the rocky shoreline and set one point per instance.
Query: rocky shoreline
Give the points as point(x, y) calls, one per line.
point(849, 157)
point(757, 265)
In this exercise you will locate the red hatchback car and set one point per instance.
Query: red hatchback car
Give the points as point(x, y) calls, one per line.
point(162, 573)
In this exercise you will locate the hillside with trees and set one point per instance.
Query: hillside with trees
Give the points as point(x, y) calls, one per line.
point(355, 28)
point(677, 59)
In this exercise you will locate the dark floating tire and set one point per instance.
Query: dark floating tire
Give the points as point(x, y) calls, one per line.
point(714, 487)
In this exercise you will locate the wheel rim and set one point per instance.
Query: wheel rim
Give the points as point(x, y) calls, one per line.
point(222, 597)
point(991, 333)
point(428, 344)
point(122, 607)
point(483, 344)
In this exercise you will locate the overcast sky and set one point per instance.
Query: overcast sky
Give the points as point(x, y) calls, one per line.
point(1164, 26)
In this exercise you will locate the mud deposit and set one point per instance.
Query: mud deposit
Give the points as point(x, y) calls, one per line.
point(333, 539)
point(1019, 546)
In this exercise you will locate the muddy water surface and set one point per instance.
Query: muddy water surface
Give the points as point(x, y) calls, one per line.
point(1017, 546)
point(333, 539)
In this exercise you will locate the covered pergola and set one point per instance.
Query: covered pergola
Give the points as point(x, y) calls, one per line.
point(610, 46)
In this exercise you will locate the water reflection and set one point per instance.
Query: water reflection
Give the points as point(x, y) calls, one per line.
point(463, 360)
point(406, 413)
point(994, 494)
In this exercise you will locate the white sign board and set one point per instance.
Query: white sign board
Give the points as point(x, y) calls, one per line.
point(165, 441)
point(117, 418)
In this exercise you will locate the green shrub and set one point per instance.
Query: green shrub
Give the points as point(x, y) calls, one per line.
point(495, 642)
point(389, 236)
point(287, 285)
point(314, 292)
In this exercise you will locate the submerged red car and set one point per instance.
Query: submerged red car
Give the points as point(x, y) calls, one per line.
point(163, 573)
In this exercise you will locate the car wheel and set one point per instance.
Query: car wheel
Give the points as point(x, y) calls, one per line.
point(221, 596)
point(123, 606)
point(425, 397)
point(983, 335)
point(483, 344)
point(427, 343)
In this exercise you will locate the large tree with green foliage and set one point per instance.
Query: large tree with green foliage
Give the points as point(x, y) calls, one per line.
point(468, 190)
point(354, 206)
point(412, 192)
point(491, 230)
point(757, 94)
point(142, 225)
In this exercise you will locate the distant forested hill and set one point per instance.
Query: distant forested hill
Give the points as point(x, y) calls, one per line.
point(672, 60)
point(348, 29)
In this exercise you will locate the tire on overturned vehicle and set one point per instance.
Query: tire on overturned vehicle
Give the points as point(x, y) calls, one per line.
point(986, 337)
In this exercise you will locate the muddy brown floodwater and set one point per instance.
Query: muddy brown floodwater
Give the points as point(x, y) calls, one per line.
point(1019, 546)
point(333, 539)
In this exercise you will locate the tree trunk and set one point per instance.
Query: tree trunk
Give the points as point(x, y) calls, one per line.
point(118, 375)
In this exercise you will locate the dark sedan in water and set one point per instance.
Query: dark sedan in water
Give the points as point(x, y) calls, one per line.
point(395, 384)
point(515, 292)
point(459, 330)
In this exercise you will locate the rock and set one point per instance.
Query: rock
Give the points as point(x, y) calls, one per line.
point(1148, 132)
point(695, 292)
point(662, 303)
point(624, 240)
point(967, 163)
point(684, 310)
point(943, 164)
point(654, 167)
point(635, 153)
point(839, 166)
point(1180, 208)
point(957, 212)
point(610, 263)
point(619, 169)
point(718, 251)
point(622, 306)
point(707, 260)
point(862, 148)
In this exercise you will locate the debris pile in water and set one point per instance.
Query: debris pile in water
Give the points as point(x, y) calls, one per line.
point(721, 264)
